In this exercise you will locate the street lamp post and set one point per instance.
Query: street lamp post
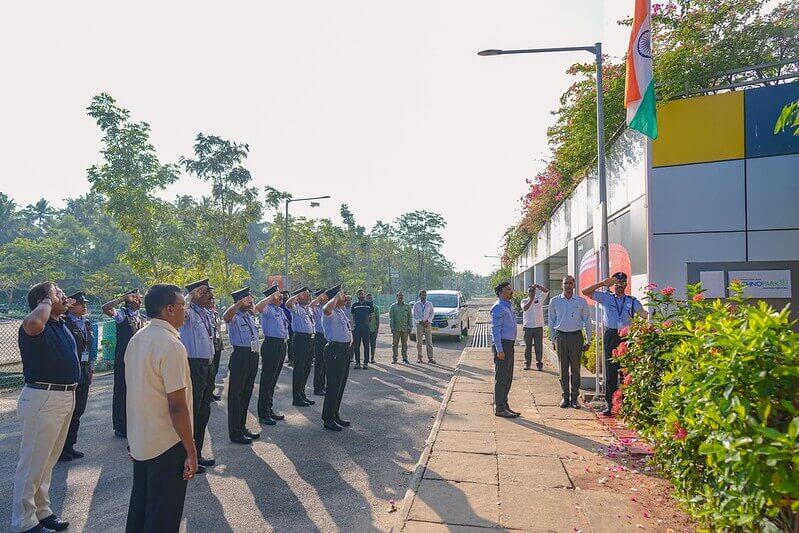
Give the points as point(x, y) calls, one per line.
point(286, 235)
point(604, 257)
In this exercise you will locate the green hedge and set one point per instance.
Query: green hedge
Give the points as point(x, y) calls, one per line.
point(715, 387)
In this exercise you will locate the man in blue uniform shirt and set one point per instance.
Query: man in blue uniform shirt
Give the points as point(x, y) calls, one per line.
point(337, 356)
point(273, 353)
point(290, 341)
point(302, 339)
point(361, 318)
point(50, 364)
point(243, 365)
point(197, 336)
point(503, 334)
point(619, 310)
point(319, 342)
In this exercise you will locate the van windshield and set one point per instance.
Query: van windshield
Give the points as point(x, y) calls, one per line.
point(443, 300)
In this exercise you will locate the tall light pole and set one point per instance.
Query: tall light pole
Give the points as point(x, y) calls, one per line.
point(604, 257)
point(286, 235)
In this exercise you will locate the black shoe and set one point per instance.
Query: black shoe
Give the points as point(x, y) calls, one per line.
point(565, 404)
point(393, 361)
point(504, 414)
point(52, 522)
point(341, 422)
point(310, 402)
point(200, 469)
point(39, 529)
point(365, 366)
point(76, 454)
point(539, 366)
point(511, 411)
point(357, 365)
point(432, 362)
point(575, 404)
point(202, 461)
point(372, 360)
point(299, 403)
point(527, 367)
point(249, 434)
point(241, 439)
point(407, 362)
point(607, 412)
point(267, 421)
point(319, 393)
point(65, 456)
point(215, 397)
point(120, 434)
point(332, 426)
point(274, 416)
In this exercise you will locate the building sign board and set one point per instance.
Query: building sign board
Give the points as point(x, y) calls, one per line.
point(764, 283)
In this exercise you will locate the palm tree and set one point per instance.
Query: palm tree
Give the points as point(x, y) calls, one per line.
point(39, 214)
point(9, 219)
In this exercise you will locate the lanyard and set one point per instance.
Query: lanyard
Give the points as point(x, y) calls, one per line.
point(620, 311)
point(246, 321)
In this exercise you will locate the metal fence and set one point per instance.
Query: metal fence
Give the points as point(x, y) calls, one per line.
point(11, 361)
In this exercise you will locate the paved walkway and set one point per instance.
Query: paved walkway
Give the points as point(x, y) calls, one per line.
point(552, 469)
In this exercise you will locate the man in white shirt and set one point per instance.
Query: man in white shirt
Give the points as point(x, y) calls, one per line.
point(533, 323)
point(423, 312)
point(159, 415)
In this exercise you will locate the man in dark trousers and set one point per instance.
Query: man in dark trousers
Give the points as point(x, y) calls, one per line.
point(319, 342)
point(337, 357)
point(290, 341)
point(374, 327)
point(197, 335)
point(503, 334)
point(81, 330)
point(361, 317)
point(302, 339)
point(243, 365)
point(218, 346)
point(128, 322)
point(273, 353)
point(51, 368)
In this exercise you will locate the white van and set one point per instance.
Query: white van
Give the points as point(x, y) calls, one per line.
point(451, 314)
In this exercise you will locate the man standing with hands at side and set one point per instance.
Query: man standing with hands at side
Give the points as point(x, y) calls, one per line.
point(159, 399)
point(619, 309)
point(503, 333)
point(400, 320)
point(423, 312)
point(197, 335)
point(243, 365)
point(533, 324)
point(568, 316)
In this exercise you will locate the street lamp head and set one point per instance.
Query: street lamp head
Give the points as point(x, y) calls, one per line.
point(490, 52)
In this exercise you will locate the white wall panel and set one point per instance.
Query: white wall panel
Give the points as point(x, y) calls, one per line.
point(774, 245)
point(625, 170)
point(701, 197)
point(772, 188)
point(670, 253)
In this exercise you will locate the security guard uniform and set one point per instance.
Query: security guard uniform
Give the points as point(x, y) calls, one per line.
point(242, 368)
point(81, 330)
point(273, 355)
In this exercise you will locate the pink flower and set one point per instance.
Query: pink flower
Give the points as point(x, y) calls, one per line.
point(622, 349)
point(651, 286)
point(678, 432)
point(628, 379)
point(623, 332)
point(616, 402)
point(699, 297)
point(667, 324)
point(667, 291)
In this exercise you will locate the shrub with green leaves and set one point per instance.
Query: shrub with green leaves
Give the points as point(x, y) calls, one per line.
point(715, 386)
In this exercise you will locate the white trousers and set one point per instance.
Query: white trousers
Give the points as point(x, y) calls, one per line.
point(427, 333)
point(44, 416)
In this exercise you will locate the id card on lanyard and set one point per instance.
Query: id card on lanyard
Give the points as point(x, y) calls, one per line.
point(255, 342)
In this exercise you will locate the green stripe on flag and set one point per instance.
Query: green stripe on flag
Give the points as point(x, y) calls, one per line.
point(645, 119)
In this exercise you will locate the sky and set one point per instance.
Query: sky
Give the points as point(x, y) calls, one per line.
point(384, 106)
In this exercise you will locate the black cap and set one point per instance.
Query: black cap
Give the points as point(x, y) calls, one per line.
point(270, 291)
point(191, 286)
point(319, 292)
point(300, 291)
point(132, 291)
point(239, 294)
point(333, 291)
point(620, 276)
point(79, 296)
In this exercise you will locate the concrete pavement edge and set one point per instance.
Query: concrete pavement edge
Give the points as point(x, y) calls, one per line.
point(421, 464)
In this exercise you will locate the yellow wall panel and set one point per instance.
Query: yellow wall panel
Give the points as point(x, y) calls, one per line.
point(701, 129)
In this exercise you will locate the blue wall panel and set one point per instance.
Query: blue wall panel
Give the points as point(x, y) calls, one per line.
point(761, 109)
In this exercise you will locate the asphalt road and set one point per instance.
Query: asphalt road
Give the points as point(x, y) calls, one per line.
point(298, 477)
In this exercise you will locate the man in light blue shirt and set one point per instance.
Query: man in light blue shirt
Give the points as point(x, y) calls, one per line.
point(273, 352)
point(503, 333)
point(302, 339)
point(619, 310)
point(338, 351)
point(243, 365)
point(568, 315)
point(197, 336)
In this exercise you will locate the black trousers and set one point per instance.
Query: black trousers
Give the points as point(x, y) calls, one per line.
point(158, 493)
point(360, 336)
point(217, 360)
point(533, 337)
point(303, 352)
point(373, 343)
point(202, 384)
point(611, 341)
point(503, 375)
point(119, 413)
point(337, 369)
point(81, 398)
point(273, 355)
point(290, 349)
point(319, 343)
point(242, 368)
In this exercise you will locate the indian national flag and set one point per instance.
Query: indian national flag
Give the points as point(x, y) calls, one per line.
point(639, 93)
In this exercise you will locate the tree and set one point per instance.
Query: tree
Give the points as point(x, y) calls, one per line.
point(233, 202)
point(10, 219)
point(384, 245)
point(129, 177)
point(420, 231)
point(39, 214)
point(25, 262)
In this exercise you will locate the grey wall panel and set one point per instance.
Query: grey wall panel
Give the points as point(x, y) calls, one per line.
point(701, 197)
point(774, 245)
point(670, 253)
point(772, 188)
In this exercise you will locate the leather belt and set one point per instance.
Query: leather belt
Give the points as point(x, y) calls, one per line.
point(52, 386)
point(578, 332)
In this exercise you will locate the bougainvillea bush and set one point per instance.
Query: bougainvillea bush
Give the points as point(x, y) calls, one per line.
point(714, 385)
